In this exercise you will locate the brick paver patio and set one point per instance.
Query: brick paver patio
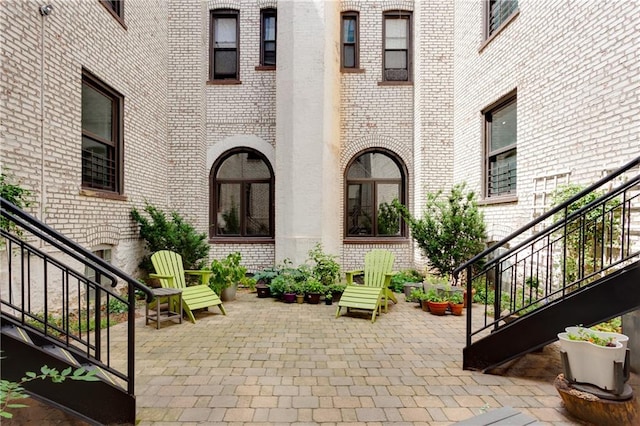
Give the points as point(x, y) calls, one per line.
point(267, 362)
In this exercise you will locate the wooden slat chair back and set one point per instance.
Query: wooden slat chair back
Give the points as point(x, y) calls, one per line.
point(171, 274)
point(375, 292)
point(378, 271)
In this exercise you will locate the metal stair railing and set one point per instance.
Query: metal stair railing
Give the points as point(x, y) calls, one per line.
point(521, 274)
point(45, 288)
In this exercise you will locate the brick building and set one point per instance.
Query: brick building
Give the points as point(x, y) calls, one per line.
point(273, 125)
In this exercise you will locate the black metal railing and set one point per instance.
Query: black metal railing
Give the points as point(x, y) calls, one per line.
point(53, 286)
point(576, 247)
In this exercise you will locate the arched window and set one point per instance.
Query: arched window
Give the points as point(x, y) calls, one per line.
point(242, 195)
point(374, 179)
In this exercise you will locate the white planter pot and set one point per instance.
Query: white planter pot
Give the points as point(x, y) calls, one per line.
point(591, 363)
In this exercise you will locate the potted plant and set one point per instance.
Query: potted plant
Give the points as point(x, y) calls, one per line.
point(591, 355)
point(324, 266)
point(405, 281)
point(300, 289)
point(417, 295)
point(437, 304)
point(451, 230)
point(226, 274)
point(314, 290)
point(336, 291)
point(328, 297)
point(263, 280)
point(456, 303)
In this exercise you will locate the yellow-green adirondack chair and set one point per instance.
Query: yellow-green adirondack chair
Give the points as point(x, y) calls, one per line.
point(378, 271)
point(171, 273)
point(378, 265)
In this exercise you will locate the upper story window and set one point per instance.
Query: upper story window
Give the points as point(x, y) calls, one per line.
point(225, 34)
point(116, 8)
point(500, 148)
point(397, 46)
point(350, 44)
point(498, 13)
point(268, 37)
point(102, 141)
point(374, 180)
point(242, 192)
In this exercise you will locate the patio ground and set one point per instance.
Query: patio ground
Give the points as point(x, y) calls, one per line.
point(271, 363)
point(267, 362)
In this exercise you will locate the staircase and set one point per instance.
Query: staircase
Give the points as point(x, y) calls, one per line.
point(54, 296)
point(581, 268)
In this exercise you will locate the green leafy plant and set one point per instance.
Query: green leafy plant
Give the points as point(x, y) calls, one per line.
point(451, 231)
point(11, 391)
point(408, 276)
point(116, 306)
point(456, 298)
point(173, 234)
point(17, 196)
point(586, 335)
point(227, 272)
point(313, 285)
point(417, 295)
point(388, 219)
point(586, 235)
point(324, 267)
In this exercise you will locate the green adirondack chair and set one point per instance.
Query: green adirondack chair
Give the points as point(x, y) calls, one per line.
point(375, 292)
point(378, 271)
point(171, 274)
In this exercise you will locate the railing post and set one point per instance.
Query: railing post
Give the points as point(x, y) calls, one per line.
point(469, 303)
point(97, 319)
point(131, 344)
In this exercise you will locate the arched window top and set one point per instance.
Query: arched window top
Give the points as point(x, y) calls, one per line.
point(242, 166)
point(374, 165)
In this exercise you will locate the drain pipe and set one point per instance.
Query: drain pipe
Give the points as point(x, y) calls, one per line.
point(45, 10)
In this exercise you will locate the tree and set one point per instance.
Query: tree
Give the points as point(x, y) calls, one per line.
point(451, 230)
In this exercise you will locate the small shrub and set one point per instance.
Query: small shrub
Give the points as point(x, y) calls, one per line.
point(116, 306)
point(324, 268)
point(17, 196)
point(409, 276)
point(172, 234)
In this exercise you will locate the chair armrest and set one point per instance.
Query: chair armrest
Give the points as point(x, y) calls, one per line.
point(387, 278)
point(163, 278)
point(350, 274)
point(204, 275)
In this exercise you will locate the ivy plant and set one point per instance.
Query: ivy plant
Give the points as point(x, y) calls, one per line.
point(16, 195)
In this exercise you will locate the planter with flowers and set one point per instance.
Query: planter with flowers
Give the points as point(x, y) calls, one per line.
point(591, 356)
point(456, 304)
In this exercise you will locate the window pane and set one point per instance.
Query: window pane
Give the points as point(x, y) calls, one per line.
point(502, 173)
point(349, 30)
point(349, 60)
point(97, 113)
point(395, 59)
point(257, 215)
point(388, 218)
point(242, 166)
point(225, 62)
point(228, 211)
point(396, 33)
point(98, 165)
point(504, 127)
point(225, 33)
point(360, 209)
point(374, 165)
point(269, 28)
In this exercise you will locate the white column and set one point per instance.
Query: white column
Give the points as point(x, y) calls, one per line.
point(307, 128)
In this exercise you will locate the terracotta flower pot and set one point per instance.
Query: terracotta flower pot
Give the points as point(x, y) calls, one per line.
point(438, 308)
point(425, 305)
point(456, 308)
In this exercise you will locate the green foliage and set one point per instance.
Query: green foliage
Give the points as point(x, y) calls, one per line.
point(11, 391)
point(408, 276)
point(417, 295)
point(586, 234)
point(586, 335)
point(231, 220)
point(227, 272)
point(172, 234)
point(456, 297)
point(614, 325)
point(451, 231)
point(314, 285)
point(433, 296)
point(324, 268)
point(288, 277)
point(388, 219)
point(266, 275)
point(17, 196)
point(116, 306)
